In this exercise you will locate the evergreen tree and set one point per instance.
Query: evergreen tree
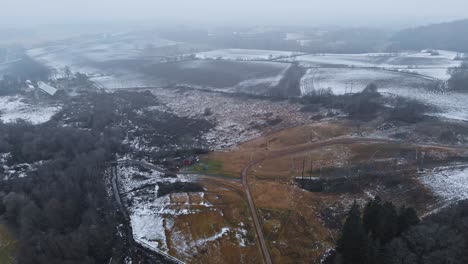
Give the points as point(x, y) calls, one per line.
point(374, 252)
point(371, 214)
point(353, 244)
point(387, 226)
point(407, 217)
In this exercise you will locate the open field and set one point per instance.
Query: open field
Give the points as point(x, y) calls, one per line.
point(244, 54)
point(249, 77)
point(412, 62)
point(354, 80)
point(310, 220)
point(17, 107)
point(197, 226)
point(235, 160)
point(237, 118)
point(143, 60)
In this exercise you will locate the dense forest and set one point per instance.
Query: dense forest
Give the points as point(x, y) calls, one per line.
point(444, 36)
point(60, 212)
point(384, 234)
point(366, 105)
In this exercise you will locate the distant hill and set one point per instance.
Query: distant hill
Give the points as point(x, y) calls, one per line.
point(446, 36)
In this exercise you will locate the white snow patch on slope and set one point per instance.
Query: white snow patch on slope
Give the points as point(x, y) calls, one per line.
point(214, 237)
point(13, 108)
point(149, 227)
point(420, 62)
point(244, 54)
point(451, 105)
point(448, 183)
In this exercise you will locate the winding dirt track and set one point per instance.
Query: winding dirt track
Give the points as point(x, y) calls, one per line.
point(311, 146)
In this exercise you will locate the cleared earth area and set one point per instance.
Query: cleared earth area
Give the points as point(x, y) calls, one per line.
point(302, 193)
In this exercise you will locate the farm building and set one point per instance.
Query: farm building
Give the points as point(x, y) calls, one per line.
point(47, 89)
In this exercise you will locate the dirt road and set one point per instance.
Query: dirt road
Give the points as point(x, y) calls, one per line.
point(310, 146)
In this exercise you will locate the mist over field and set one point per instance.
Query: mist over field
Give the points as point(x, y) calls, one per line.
point(223, 131)
point(295, 12)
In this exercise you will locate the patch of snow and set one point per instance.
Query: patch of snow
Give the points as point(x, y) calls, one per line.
point(214, 237)
point(14, 107)
point(149, 227)
point(241, 234)
point(450, 184)
point(151, 217)
point(417, 60)
point(244, 54)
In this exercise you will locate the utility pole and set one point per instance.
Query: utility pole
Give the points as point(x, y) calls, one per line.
point(311, 168)
point(320, 170)
point(422, 159)
point(303, 167)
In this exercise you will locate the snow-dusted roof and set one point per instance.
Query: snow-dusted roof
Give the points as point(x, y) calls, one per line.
point(47, 88)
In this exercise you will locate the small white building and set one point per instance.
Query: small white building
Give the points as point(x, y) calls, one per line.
point(47, 89)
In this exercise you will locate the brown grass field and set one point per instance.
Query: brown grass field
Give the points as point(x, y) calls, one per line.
point(299, 225)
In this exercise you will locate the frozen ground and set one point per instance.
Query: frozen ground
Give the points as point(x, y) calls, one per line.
point(147, 212)
point(450, 184)
point(422, 63)
point(154, 220)
point(237, 119)
point(133, 61)
point(352, 80)
point(450, 105)
point(110, 60)
point(244, 54)
point(15, 107)
point(251, 77)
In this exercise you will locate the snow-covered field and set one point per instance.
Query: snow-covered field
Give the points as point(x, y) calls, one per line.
point(147, 212)
point(450, 184)
point(15, 107)
point(244, 54)
point(352, 80)
point(110, 61)
point(450, 105)
point(423, 63)
point(131, 61)
point(154, 220)
point(253, 77)
point(105, 48)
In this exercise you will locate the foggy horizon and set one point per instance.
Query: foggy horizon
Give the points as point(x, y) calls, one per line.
point(261, 12)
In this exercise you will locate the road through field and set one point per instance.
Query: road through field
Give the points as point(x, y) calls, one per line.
point(311, 146)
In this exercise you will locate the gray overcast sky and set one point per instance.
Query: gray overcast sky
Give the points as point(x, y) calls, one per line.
point(258, 11)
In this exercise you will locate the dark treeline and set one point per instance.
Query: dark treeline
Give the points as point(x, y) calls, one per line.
point(60, 212)
point(173, 135)
point(18, 72)
point(366, 105)
point(384, 234)
point(459, 78)
point(364, 236)
point(444, 36)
